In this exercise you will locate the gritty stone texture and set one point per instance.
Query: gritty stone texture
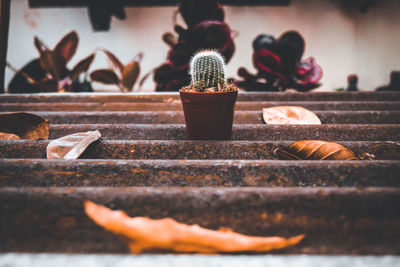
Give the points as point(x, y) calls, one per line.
point(345, 221)
point(177, 106)
point(99, 260)
point(171, 96)
point(241, 117)
point(328, 132)
point(186, 149)
point(107, 172)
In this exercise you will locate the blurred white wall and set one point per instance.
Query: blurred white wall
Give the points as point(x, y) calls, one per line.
point(342, 41)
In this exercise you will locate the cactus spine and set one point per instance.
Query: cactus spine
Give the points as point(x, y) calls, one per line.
point(207, 69)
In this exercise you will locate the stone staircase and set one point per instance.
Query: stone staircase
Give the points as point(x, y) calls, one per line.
point(145, 166)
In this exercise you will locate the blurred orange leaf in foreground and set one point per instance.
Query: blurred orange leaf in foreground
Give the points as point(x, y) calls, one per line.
point(143, 234)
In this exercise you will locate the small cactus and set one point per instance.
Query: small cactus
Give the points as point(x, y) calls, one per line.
point(207, 69)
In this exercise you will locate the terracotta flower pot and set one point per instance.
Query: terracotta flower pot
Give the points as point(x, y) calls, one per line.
point(208, 115)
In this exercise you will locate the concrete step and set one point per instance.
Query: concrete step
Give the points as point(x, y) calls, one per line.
point(241, 117)
point(336, 221)
point(169, 97)
point(111, 172)
point(186, 149)
point(177, 106)
point(327, 132)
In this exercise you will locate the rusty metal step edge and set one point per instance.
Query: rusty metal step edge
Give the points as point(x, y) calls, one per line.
point(186, 149)
point(43, 172)
point(335, 220)
point(241, 117)
point(168, 97)
point(327, 132)
point(257, 106)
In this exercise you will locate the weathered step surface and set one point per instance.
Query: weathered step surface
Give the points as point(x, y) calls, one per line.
point(43, 172)
point(335, 220)
point(187, 149)
point(169, 97)
point(103, 260)
point(327, 132)
point(177, 106)
point(241, 117)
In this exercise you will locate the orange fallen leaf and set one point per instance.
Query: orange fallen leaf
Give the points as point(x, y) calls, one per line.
point(7, 136)
point(142, 233)
point(315, 150)
point(289, 115)
point(71, 146)
point(24, 125)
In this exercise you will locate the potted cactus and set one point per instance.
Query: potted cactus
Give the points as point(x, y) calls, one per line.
point(208, 102)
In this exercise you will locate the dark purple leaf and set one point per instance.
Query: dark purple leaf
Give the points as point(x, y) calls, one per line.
point(81, 67)
point(114, 60)
point(105, 76)
point(66, 48)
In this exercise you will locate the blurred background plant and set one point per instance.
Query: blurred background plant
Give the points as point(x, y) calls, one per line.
point(280, 66)
point(123, 76)
point(49, 72)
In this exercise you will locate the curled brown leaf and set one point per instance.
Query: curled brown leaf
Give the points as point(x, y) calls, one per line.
point(315, 150)
point(71, 146)
point(289, 115)
point(143, 234)
point(24, 125)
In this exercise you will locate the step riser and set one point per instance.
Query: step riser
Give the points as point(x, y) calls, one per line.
point(241, 117)
point(344, 132)
point(335, 221)
point(240, 106)
point(256, 150)
point(41, 172)
point(160, 97)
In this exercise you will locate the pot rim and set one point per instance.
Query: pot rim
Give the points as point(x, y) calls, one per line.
point(207, 93)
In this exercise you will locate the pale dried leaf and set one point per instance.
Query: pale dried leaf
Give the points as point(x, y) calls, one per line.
point(71, 146)
point(315, 150)
point(289, 115)
point(142, 233)
point(8, 136)
point(24, 125)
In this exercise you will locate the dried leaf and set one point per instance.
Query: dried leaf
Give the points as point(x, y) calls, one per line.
point(24, 125)
point(66, 48)
point(289, 115)
point(8, 136)
point(142, 233)
point(81, 67)
point(131, 72)
point(315, 150)
point(114, 60)
point(71, 146)
point(105, 76)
